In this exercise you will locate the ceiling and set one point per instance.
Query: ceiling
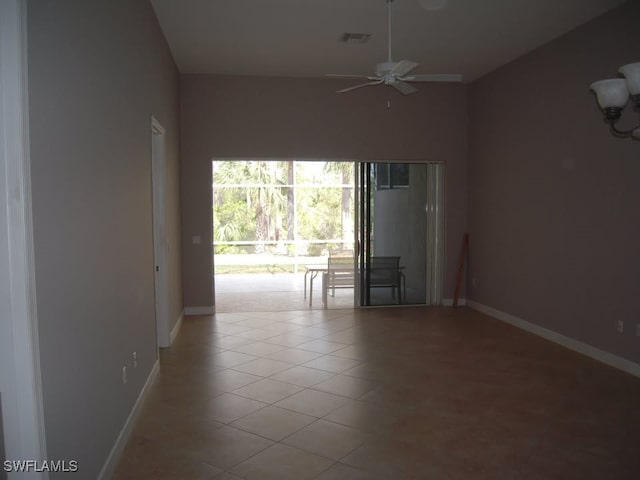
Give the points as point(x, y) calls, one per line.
point(301, 38)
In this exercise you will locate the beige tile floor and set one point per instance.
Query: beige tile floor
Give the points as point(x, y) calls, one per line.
point(402, 393)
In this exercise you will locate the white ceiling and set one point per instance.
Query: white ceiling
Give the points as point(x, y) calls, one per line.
point(300, 38)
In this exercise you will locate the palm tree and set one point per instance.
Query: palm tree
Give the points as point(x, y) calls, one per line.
point(263, 196)
point(291, 201)
point(345, 169)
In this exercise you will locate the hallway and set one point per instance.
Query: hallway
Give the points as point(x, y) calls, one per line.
point(406, 393)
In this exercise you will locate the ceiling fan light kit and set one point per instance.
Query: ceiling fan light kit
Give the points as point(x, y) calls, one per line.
point(354, 38)
point(395, 74)
point(613, 95)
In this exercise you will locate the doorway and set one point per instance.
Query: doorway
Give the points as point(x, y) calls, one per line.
point(400, 233)
point(275, 224)
point(160, 253)
point(279, 226)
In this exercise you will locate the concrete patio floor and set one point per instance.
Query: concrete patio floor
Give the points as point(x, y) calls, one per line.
point(272, 292)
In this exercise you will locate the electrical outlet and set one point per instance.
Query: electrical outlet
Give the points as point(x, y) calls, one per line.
point(135, 359)
point(620, 326)
point(124, 375)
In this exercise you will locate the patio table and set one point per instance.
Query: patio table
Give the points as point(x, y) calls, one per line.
point(312, 271)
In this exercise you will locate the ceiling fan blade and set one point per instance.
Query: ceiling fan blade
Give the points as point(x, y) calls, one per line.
point(377, 82)
point(403, 67)
point(348, 75)
point(404, 88)
point(436, 77)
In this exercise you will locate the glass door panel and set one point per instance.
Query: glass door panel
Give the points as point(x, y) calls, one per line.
point(399, 233)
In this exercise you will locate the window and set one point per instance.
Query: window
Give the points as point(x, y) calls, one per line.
point(391, 175)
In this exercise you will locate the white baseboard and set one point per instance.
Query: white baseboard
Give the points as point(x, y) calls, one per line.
point(176, 329)
point(577, 346)
point(200, 310)
point(116, 452)
point(448, 302)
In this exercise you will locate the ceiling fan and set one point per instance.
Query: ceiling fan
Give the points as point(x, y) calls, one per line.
point(395, 74)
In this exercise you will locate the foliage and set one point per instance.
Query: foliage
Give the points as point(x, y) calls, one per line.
point(250, 203)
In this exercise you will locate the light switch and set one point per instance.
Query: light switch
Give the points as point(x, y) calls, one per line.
point(195, 239)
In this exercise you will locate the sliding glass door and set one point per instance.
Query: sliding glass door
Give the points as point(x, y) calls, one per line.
point(400, 233)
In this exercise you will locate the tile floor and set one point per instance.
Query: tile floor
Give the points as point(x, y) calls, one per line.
point(402, 393)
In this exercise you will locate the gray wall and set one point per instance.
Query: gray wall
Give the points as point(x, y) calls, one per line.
point(554, 198)
point(97, 72)
point(244, 117)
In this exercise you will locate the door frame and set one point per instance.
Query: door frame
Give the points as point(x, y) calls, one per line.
point(20, 374)
point(434, 241)
point(160, 247)
point(435, 232)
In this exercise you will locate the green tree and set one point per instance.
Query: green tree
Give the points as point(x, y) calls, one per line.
point(345, 170)
point(263, 197)
point(252, 202)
